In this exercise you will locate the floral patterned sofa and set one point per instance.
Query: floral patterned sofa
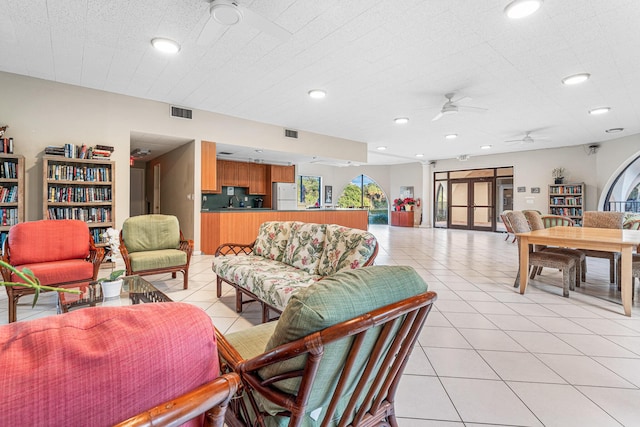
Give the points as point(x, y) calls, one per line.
point(288, 256)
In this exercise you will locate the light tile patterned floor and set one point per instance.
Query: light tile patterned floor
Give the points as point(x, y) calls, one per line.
point(487, 355)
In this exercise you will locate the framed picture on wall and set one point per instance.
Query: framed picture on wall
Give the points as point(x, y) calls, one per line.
point(328, 194)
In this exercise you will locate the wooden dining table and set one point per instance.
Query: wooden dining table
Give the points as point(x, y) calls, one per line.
point(601, 239)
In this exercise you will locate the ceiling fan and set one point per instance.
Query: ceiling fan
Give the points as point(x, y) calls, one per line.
point(527, 139)
point(228, 13)
point(452, 107)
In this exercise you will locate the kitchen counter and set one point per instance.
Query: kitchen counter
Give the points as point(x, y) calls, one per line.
point(240, 225)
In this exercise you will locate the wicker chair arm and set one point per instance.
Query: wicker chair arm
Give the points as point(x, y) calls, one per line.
point(235, 249)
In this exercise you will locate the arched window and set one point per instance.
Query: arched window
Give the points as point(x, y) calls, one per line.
point(364, 192)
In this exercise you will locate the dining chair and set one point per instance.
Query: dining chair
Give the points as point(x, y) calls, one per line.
point(557, 221)
point(565, 263)
point(598, 219)
point(507, 225)
point(536, 223)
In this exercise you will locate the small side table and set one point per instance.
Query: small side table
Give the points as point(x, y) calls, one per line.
point(402, 218)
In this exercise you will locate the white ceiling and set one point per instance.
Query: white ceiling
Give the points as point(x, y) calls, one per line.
point(376, 59)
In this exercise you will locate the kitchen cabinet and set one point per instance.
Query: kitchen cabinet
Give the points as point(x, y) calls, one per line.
point(283, 173)
point(209, 176)
point(257, 179)
point(234, 174)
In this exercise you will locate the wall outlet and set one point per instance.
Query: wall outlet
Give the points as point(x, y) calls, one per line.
point(246, 199)
point(204, 198)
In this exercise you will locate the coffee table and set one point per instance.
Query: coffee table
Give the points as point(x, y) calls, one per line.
point(135, 290)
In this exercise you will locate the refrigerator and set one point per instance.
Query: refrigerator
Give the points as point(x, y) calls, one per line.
point(284, 196)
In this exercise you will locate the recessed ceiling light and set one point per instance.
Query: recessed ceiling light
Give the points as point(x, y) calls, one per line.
point(419, 155)
point(485, 147)
point(382, 148)
point(599, 110)
point(165, 45)
point(317, 93)
point(576, 79)
point(401, 120)
point(258, 151)
point(451, 136)
point(614, 130)
point(522, 8)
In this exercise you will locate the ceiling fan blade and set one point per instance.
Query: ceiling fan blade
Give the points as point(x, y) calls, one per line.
point(437, 117)
point(462, 99)
point(211, 31)
point(472, 109)
point(514, 141)
point(261, 23)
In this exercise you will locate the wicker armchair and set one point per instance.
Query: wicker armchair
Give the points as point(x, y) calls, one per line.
point(336, 355)
point(154, 244)
point(557, 221)
point(566, 263)
point(596, 219)
point(536, 223)
point(507, 225)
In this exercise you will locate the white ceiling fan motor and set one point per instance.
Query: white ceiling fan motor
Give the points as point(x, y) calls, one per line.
point(225, 12)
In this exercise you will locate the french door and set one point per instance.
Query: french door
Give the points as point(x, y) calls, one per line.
point(472, 204)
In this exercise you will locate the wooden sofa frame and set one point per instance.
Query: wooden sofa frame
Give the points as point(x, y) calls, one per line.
point(247, 249)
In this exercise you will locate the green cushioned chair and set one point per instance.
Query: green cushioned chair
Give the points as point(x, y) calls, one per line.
point(336, 354)
point(154, 244)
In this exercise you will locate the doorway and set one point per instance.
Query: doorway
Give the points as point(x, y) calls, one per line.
point(472, 205)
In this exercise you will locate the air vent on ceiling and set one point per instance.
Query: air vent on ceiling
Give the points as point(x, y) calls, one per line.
point(290, 133)
point(225, 153)
point(181, 112)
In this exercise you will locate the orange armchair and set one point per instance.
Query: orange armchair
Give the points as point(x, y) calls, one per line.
point(60, 253)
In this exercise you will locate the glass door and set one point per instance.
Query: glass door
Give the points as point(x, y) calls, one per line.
point(459, 204)
point(482, 207)
point(472, 204)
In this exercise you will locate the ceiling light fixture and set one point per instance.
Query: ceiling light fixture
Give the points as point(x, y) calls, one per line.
point(576, 79)
point(485, 147)
point(317, 94)
point(401, 120)
point(451, 136)
point(165, 45)
point(381, 148)
point(599, 110)
point(419, 155)
point(522, 8)
point(614, 130)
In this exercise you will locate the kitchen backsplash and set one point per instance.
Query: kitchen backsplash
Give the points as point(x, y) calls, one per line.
point(217, 201)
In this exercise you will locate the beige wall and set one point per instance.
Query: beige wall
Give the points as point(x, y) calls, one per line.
point(41, 113)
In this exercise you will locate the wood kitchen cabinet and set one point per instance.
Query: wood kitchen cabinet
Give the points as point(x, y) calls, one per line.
point(283, 173)
point(233, 174)
point(209, 176)
point(258, 179)
point(242, 174)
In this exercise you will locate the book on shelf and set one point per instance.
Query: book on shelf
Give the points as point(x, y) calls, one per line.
point(7, 145)
point(108, 148)
point(54, 151)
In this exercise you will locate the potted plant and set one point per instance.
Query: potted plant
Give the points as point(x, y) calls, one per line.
point(558, 175)
point(398, 204)
point(409, 202)
point(112, 284)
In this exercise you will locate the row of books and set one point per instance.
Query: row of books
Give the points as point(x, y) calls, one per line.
point(566, 189)
point(72, 151)
point(566, 200)
point(566, 211)
point(97, 234)
point(9, 194)
point(83, 214)
point(79, 173)
point(7, 145)
point(9, 216)
point(3, 237)
point(9, 170)
point(79, 194)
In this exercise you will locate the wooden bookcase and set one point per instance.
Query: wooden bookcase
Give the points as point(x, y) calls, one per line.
point(11, 193)
point(81, 189)
point(567, 200)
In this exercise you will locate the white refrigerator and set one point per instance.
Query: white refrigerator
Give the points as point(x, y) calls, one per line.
point(284, 196)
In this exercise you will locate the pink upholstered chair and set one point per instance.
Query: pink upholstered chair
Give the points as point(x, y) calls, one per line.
point(99, 366)
point(60, 253)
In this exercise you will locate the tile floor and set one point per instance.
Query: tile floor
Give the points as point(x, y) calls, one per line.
point(487, 356)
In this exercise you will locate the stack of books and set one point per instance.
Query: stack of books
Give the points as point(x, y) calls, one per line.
point(102, 151)
point(54, 151)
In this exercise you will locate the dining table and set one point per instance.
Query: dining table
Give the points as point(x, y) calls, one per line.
point(601, 239)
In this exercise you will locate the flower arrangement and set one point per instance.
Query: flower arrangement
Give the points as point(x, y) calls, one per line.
point(558, 173)
point(409, 201)
point(398, 202)
point(111, 236)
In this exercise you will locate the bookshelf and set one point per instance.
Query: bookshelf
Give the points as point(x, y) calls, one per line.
point(11, 193)
point(81, 189)
point(567, 200)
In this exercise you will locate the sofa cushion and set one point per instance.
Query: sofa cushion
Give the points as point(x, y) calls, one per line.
point(305, 246)
point(345, 248)
point(272, 239)
point(272, 281)
point(149, 260)
point(99, 366)
point(53, 273)
point(334, 299)
point(48, 240)
point(151, 232)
